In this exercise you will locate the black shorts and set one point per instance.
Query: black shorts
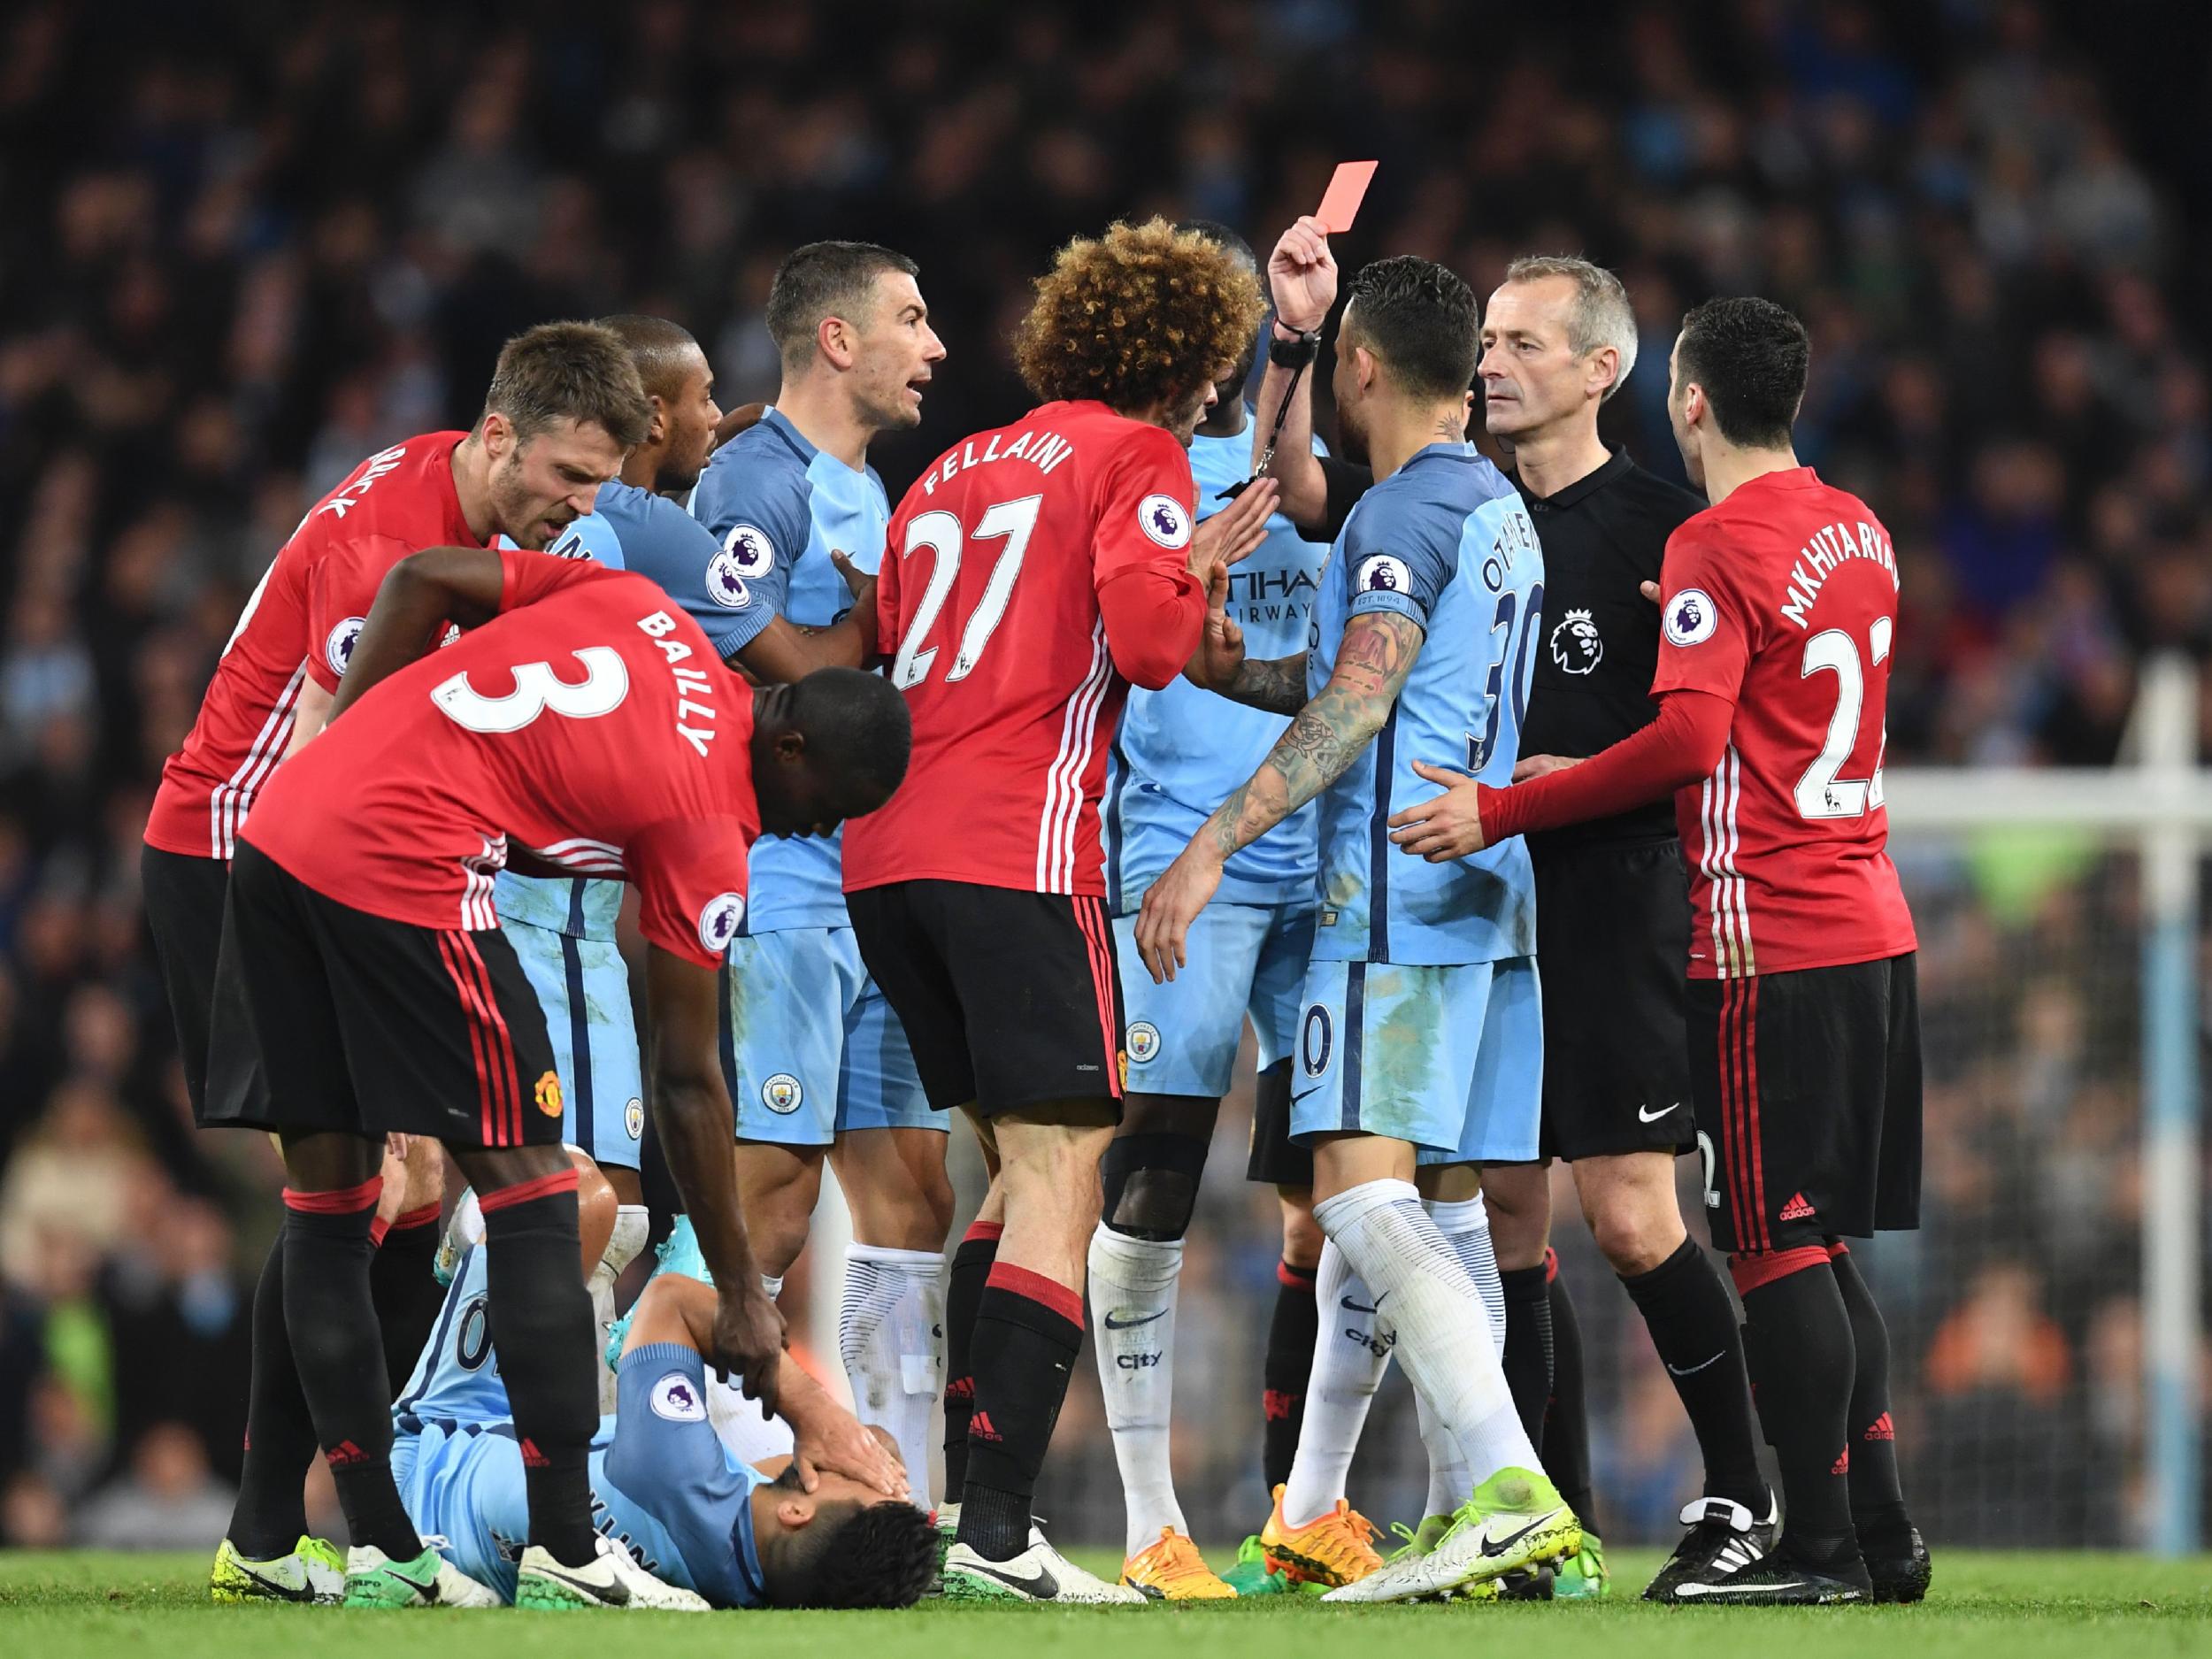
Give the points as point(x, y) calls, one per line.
point(1009, 998)
point(1275, 1157)
point(184, 911)
point(1612, 939)
point(1808, 1104)
point(370, 1026)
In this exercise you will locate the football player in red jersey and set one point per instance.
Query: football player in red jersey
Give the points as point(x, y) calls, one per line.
point(1032, 575)
point(360, 931)
point(1779, 604)
point(564, 406)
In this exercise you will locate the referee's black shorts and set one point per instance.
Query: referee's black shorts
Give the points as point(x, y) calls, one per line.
point(1612, 943)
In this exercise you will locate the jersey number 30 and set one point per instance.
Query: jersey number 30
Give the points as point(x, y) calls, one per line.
point(606, 681)
point(940, 533)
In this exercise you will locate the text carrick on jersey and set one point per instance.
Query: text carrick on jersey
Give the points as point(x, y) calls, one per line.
point(299, 625)
point(1783, 600)
point(591, 722)
point(1446, 541)
point(990, 605)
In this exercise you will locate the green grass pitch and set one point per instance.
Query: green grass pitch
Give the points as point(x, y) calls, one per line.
point(2002, 1606)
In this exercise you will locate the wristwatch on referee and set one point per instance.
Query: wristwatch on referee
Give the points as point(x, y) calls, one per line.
point(1289, 349)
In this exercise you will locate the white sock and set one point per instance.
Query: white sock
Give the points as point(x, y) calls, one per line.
point(1466, 1226)
point(772, 1282)
point(1443, 1334)
point(1133, 1287)
point(1350, 1356)
point(887, 1333)
point(632, 1222)
point(750, 1436)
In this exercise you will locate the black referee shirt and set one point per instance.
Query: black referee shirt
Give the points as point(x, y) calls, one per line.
point(1602, 536)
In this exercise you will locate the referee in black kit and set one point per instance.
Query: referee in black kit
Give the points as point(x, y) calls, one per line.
point(1613, 912)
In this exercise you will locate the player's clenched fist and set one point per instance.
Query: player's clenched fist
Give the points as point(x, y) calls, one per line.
point(1301, 276)
point(749, 1340)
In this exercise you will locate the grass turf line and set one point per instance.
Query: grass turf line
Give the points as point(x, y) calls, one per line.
point(1985, 1606)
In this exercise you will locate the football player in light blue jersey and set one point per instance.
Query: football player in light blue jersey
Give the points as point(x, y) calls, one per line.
point(716, 1530)
point(816, 1062)
point(1420, 1040)
point(1178, 752)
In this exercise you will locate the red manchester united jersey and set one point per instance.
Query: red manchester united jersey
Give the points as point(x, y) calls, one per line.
point(988, 606)
point(301, 623)
point(596, 730)
point(1783, 599)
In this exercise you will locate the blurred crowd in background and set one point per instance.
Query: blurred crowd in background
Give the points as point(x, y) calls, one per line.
point(247, 245)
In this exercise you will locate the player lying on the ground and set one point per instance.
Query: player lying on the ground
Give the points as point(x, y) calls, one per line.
point(827, 1527)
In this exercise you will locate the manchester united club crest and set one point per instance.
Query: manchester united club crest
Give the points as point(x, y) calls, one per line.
point(549, 1094)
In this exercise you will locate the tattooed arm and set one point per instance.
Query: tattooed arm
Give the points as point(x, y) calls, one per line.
point(1328, 734)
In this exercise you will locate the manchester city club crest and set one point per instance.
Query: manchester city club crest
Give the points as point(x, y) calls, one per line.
point(633, 1119)
point(1144, 1041)
point(781, 1093)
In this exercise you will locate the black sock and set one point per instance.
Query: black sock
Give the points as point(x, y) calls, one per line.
point(331, 1319)
point(1028, 1331)
point(1566, 1440)
point(1798, 1343)
point(541, 1329)
point(1528, 1339)
point(406, 1291)
point(1290, 1335)
point(1692, 1324)
point(964, 1294)
point(1878, 1497)
point(270, 1514)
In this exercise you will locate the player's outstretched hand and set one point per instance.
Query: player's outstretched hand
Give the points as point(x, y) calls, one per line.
point(1448, 827)
point(833, 1442)
point(1220, 651)
point(1302, 275)
point(1541, 767)
point(1171, 905)
point(748, 1341)
point(1234, 533)
point(862, 583)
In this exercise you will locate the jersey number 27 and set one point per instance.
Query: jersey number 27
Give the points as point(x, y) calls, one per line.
point(941, 532)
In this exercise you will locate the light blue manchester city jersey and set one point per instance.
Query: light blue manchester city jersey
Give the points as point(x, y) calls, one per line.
point(1182, 750)
point(777, 507)
point(1445, 540)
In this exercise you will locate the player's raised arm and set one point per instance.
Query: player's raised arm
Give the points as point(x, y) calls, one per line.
point(691, 1112)
point(1302, 278)
point(1328, 734)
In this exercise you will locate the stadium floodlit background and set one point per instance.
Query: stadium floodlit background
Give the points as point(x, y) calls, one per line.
point(246, 244)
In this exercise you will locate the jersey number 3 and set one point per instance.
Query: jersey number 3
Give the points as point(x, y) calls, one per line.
point(941, 532)
point(606, 681)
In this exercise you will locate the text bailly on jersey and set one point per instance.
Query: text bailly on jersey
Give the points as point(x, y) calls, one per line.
point(300, 623)
point(404, 809)
point(1783, 600)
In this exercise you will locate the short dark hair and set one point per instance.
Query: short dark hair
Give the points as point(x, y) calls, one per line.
point(822, 279)
point(575, 372)
point(1422, 320)
point(1750, 356)
point(856, 726)
point(659, 347)
point(883, 1554)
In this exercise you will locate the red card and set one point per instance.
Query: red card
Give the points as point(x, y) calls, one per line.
point(1345, 191)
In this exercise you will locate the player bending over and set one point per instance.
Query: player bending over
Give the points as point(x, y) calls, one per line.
point(601, 732)
point(1421, 1041)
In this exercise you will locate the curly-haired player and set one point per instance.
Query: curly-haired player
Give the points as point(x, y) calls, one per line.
point(1033, 575)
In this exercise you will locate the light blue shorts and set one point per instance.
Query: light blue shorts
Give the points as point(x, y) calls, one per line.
point(1244, 959)
point(810, 1047)
point(584, 986)
point(1449, 1058)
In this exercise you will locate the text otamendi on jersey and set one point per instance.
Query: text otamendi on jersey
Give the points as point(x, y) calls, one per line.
point(691, 683)
point(1043, 450)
